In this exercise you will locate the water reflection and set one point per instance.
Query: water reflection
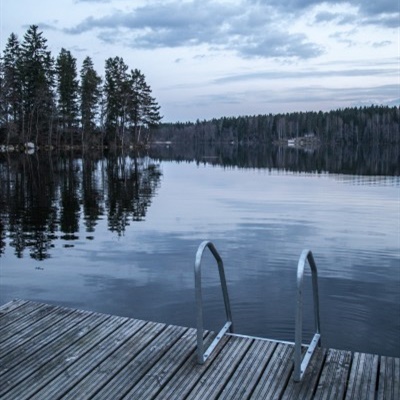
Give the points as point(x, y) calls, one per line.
point(355, 160)
point(44, 197)
point(71, 213)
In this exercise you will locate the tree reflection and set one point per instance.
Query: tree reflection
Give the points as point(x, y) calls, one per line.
point(46, 196)
point(27, 191)
point(356, 160)
point(70, 196)
point(92, 191)
point(48, 199)
point(130, 184)
point(2, 236)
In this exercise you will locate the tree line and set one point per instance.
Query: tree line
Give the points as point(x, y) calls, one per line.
point(373, 125)
point(45, 101)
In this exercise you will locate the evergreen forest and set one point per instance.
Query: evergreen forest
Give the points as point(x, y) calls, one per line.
point(45, 101)
point(373, 126)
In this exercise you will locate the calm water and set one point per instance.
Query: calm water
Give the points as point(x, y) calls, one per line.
point(119, 235)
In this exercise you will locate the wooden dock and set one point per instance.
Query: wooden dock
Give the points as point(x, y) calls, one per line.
point(50, 352)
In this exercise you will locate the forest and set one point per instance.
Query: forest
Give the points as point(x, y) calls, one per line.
point(373, 125)
point(45, 102)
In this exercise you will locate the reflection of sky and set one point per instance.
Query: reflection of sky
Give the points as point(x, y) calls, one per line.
point(313, 211)
point(260, 221)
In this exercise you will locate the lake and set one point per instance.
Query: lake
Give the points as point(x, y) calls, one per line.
point(118, 234)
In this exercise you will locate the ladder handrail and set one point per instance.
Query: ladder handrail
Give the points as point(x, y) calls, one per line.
point(301, 365)
point(201, 355)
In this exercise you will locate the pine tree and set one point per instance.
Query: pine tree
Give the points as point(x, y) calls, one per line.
point(143, 108)
point(90, 93)
point(37, 77)
point(116, 90)
point(67, 86)
point(4, 134)
point(11, 87)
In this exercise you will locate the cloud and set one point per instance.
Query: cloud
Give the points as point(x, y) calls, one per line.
point(383, 94)
point(379, 7)
point(375, 9)
point(385, 20)
point(248, 28)
point(381, 44)
point(345, 37)
point(383, 13)
point(296, 98)
point(338, 18)
point(280, 44)
point(92, 1)
point(43, 26)
point(273, 75)
point(295, 6)
point(393, 103)
point(247, 31)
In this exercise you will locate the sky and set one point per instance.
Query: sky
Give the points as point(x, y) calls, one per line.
point(212, 58)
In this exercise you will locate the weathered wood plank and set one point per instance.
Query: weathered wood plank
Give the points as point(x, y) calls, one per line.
point(363, 377)
point(306, 388)
point(157, 377)
point(189, 374)
point(249, 371)
point(140, 363)
point(20, 314)
point(37, 324)
point(11, 306)
point(110, 367)
point(219, 372)
point(274, 378)
point(16, 381)
point(335, 373)
point(70, 375)
point(389, 379)
point(14, 355)
point(28, 321)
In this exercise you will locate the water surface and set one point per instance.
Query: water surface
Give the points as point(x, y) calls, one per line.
point(119, 235)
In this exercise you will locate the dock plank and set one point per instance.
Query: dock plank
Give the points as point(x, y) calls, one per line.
point(90, 365)
point(42, 322)
point(51, 352)
point(40, 364)
point(274, 378)
point(219, 372)
point(389, 378)
point(305, 389)
point(8, 320)
point(143, 361)
point(12, 356)
point(157, 377)
point(189, 374)
point(246, 376)
point(363, 377)
point(334, 377)
point(11, 306)
point(114, 364)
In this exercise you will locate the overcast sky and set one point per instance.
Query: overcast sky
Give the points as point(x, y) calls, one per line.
point(213, 58)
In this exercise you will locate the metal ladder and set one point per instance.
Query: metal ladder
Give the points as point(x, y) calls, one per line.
point(228, 326)
point(300, 365)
